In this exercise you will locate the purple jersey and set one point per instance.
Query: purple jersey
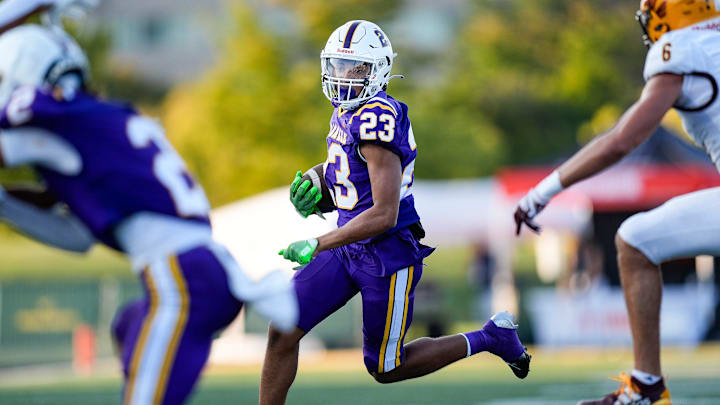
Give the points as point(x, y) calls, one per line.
point(382, 121)
point(127, 164)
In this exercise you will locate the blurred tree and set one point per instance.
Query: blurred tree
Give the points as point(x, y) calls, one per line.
point(260, 114)
point(320, 17)
point(107, 80)
point(521, 82)
point(535, 72)
point(254, 119)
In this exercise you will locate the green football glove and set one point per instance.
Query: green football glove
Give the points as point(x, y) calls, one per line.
point(304, 197)
point(301, 251)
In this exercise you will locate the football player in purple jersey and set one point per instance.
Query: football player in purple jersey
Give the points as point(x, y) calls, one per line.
point(376, 249)
point(124, 186)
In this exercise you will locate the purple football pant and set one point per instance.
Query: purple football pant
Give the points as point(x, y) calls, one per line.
point(165, 337)
point(326, 284)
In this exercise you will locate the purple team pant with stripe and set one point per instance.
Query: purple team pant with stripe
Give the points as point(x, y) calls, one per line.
point(166, 336)
point(385, 274)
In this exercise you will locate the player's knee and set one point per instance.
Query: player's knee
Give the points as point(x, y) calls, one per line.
point(628, 253)
point(622, 247)
point(279, 341)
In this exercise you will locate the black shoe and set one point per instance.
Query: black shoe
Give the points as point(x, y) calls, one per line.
point(521, 366)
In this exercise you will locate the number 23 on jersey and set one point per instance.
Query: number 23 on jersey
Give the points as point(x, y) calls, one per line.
point(372, 127)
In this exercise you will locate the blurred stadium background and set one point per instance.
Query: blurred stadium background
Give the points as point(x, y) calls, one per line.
point(499, 91)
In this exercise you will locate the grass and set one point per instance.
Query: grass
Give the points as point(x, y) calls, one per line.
point(558, 377)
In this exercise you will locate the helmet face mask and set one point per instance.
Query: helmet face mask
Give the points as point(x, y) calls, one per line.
point(356, 64)
point(345, 79)
point(643, 18)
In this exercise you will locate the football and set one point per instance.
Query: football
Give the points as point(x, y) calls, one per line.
point(317, 178)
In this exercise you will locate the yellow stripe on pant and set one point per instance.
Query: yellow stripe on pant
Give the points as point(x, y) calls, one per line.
point(177, 331)
point(388, 322)
point(142, 340)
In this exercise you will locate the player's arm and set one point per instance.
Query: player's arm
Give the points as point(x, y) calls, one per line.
point(635, 126)
point(385, 171)
point(54, 227)
point(33, 195)
point(35, 214)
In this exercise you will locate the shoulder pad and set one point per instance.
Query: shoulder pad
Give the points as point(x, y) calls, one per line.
point(673, 53)
point(376, 120)
point(376, 104)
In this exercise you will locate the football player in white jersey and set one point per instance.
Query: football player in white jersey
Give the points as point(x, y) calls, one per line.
point(682, 71)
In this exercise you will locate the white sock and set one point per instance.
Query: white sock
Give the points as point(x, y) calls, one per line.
point(646, 378)
point(469, 351)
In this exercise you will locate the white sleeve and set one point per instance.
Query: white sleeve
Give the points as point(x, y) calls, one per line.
point(34, 146)
point(673, 53)
point(11, 11)
point(51, 227)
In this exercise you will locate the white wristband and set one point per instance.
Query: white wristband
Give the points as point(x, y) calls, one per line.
point(549, 186)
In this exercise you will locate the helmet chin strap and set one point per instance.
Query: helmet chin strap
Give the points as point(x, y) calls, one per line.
point(396, 77)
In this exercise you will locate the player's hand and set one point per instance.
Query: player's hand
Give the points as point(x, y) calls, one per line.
point(304, 197)
point(535, 200)
point(300, 252)
point(528, 208)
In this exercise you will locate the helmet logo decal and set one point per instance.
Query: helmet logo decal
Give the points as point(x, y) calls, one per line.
point(350, 33)
point(381, 37)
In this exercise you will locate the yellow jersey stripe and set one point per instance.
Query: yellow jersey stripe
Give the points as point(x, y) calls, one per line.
point(142, 340)
point(405, 311)
point(388, 321)
point(371, 105)
point(177, 330)
point(384, 101)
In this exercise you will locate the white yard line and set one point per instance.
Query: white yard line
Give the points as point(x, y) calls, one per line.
point(542, 401)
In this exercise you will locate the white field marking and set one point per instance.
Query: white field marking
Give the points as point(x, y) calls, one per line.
point(536, 401)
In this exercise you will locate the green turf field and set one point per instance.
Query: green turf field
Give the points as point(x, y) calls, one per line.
point(557, 377)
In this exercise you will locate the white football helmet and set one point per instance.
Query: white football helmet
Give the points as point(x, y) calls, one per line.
point(37, 56)
point(356, 64)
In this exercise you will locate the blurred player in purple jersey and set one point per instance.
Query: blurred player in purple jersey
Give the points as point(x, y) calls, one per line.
point(375, 250)
point(124, 185)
